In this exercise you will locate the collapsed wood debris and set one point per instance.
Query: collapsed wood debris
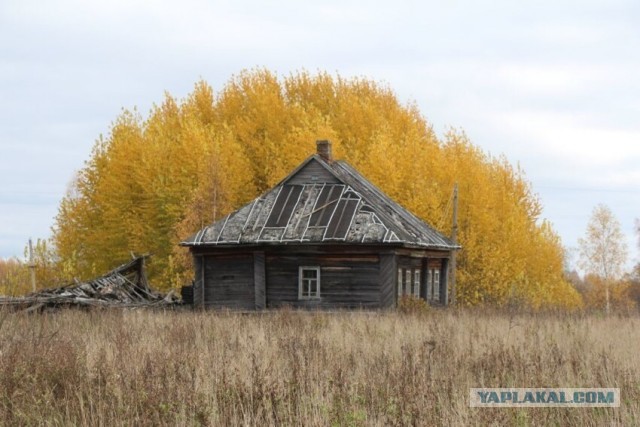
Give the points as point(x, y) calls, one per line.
point(124, 286)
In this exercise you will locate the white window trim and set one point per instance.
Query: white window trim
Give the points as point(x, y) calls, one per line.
point(436, 285)
point(416, 283)
point(301, 269)
point(400, 283)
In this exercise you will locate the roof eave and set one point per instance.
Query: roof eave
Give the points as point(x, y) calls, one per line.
point(411, 245)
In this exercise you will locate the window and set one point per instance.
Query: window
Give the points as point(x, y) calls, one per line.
point(429, 284)
point(416, 283)
point(309, 282)
point(436, 285)
point(407, 282)
point(399, 283)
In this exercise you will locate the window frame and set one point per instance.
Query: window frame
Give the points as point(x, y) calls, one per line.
point(436, 284)
point(416, 283)
point(301, 283)
point(407, 282)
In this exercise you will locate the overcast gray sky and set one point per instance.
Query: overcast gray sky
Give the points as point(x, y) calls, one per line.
point(552, 85)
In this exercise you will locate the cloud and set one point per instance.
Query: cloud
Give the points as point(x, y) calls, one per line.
point(551, 80)
point(564, 136)
point(548, 84)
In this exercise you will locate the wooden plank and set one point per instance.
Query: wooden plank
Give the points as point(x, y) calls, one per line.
point(387, 280)
point(424, 276)
point(326, 248)
point(229, 281)
point(422, 253)
point(259, 280)
point(203, 285)
point(435, 264)
point(312, 173)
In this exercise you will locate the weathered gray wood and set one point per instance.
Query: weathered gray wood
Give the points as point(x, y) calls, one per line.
point(325, 248)
point(423, 278)
point(434, 263)
point(229, 282)
point(388, 277)
point(351, 275)
point(259, 279)
point(345, 282)
point(444, 283)
point(198, 284)
point(124, 286)
point(422, 253)
point(313, 172)
point(186, 292)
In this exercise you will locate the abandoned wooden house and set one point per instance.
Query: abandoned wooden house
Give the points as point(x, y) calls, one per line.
point(325, 238)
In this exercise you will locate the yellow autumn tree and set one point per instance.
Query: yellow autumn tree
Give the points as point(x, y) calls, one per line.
point(151, 183)
point(14, 277)
point(15, 273)
point(600, 293)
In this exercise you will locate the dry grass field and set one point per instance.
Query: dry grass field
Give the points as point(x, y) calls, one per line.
point(289, 368)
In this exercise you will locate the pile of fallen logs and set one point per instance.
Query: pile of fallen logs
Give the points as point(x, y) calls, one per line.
point(124, 286)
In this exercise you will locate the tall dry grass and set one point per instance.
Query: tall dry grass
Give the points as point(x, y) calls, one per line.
point(290, 368)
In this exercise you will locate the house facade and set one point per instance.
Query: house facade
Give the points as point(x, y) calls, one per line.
point(324, 238)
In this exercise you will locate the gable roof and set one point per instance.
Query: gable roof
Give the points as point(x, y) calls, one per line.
point(322, 202)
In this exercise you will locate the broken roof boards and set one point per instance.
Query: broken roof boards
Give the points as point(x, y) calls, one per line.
point(322, 201)
point(124, 286)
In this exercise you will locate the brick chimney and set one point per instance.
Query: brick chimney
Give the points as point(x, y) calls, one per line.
point(324, 150)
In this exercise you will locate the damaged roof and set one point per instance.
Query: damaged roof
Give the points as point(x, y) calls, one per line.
point(124, 286)
point(322, 201)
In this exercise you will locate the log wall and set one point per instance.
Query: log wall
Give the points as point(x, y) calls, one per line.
point(345, 281)
point(354, 276)
point(229, 281)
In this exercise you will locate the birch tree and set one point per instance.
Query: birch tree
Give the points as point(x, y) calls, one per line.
point(603, 251)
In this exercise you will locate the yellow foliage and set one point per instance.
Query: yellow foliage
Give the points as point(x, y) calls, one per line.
point(620, 297)
point(15, 277)
point(151, 183)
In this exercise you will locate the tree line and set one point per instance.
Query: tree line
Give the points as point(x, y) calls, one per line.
point(153, 180)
